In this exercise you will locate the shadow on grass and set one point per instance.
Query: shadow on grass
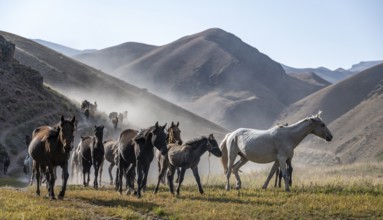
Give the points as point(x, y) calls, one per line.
point(112, 203)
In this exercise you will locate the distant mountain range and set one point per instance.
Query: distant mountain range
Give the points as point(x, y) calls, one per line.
point(212, 73)
point(62, 49)
point(333, 75)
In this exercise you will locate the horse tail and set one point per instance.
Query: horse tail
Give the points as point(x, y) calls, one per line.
point(224, 157)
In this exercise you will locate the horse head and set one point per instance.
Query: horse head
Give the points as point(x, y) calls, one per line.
point(212, 146)
point(174, 134)
point(99, 131)
point(66, 130)
point(320, 129)
point(157, 137)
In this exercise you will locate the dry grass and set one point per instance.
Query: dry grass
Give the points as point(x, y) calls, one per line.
point(343, 192)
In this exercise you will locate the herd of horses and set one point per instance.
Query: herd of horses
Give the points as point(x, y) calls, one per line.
point(134, 151)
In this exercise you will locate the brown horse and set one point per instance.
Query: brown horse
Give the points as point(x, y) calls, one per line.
point(188, 156)
point(111, 150)
point(50, 147)
point(137, 148)
point(173, 137)
point(91, 150)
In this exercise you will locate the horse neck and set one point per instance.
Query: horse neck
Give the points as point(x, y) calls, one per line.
point(299, 130)
point(200, 147)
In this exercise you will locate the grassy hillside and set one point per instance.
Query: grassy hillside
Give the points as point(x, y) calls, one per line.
point(340, 192)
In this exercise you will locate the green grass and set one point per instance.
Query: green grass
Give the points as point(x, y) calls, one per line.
point(330, 193)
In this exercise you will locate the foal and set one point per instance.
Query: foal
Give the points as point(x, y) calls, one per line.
point(188, 156)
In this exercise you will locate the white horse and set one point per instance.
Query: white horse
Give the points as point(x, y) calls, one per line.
point(276, 145)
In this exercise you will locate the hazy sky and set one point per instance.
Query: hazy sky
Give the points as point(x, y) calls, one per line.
point(298, 33)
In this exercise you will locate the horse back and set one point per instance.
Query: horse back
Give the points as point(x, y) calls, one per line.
point(127, 136)
point(85, 146)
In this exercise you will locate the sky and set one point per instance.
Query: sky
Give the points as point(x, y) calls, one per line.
point(297, 33)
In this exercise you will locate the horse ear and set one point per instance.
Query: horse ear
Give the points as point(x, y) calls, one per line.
point(156, 124)
point(178, 123)
point(172, 124)
point(62, 118)
point(164, 126)
point(73, 119)
point(211, 136)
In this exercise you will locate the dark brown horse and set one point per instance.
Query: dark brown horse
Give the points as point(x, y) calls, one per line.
point(136, 148)
point(173, 137)
point(50, 147)
point(91, 149)
point(188, 156)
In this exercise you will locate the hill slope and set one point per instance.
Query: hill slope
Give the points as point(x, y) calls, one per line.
point(212, 73)
point(26, 104)
point(353, 110)
point(79, 81)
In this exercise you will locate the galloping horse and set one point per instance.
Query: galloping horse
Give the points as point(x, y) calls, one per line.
point(92, 153)
point(188, 156)
point(276, 145)
point(173, 137)
point(145, 141)
point(50, 147)
point(133, 150)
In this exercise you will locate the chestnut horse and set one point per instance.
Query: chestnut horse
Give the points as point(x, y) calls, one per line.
point(50, 147)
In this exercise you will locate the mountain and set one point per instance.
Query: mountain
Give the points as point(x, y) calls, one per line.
point(67, 51)
point(311, 78)
point(364, 65)
point(79, 81)
point(353, 110)
point(213, 73)
point(328, 75)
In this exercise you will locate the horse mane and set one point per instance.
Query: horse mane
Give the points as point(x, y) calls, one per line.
point(142, 133)
point(51, 133)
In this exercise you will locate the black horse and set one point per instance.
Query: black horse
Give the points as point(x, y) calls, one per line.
point(91, 149)
point(137, 149)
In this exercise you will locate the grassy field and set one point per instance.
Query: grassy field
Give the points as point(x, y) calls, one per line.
point(342, 192)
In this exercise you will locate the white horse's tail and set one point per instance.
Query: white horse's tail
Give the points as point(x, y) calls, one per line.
point(224, 158)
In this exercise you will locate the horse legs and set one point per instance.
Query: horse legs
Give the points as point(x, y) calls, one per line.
point(236, 167)
point(140, 176)
point(36, 167)
point(178, 174)
point(282, 165)
point(130, 174)
point(110, 168)
point(100, 170)
point(65, 175)
point(170, 176)
point(232, 151)
point(119, 171)
point(163, 168)
point(197, 178)
point(271, 174)
point(289, 171)
point(96, 167)
point(51, 182)
point(181, 179)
